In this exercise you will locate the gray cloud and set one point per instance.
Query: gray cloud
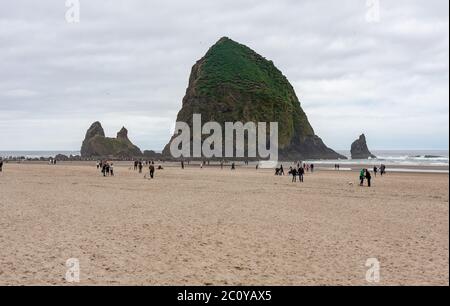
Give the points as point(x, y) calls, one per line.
point(128, 63)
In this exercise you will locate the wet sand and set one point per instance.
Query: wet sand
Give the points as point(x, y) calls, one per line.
point(218, 227)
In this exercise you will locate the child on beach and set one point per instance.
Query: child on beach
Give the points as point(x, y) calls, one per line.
point(361, 177)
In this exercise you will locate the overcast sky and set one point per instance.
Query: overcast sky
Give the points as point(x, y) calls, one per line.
point(128, 63)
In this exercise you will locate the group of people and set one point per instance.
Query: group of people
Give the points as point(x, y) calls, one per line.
point(365, 175)
point(279, 171)
point(139, 166)
point(306, 167)
point(208, 163)
point(300, 172)
point(382, 170)
point(106, 168)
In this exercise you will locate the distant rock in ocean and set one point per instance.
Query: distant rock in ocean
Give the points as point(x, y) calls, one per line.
point(148, 154)
point(97, 145)
point(360, 149)
point(232, 83)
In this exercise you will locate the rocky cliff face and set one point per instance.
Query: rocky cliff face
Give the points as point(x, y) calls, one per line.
point(360, 149)
point(96, 145)
point(233, 83)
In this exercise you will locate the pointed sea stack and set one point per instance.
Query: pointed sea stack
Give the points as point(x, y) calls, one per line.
point(360, 149)
point(232, 83)
point(96, 145)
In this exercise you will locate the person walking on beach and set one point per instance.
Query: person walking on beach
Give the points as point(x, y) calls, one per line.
point(182, 164)
point(369, 178)
point(111, 169)
point(140, 167)
point(136, 163)
point(152, 171)
point(281, 171)
point(107, 169)
point(1, 165)
point(383, 170)
point(301, 174)
point(233, 166)
point(312, 168)
point(375, 170)
point(293, 172)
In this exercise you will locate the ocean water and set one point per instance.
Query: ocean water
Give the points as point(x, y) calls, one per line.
point(430, 158)
point(425, 158)
point(36, 154)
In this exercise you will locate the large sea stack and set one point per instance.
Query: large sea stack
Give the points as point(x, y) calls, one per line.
point(232, 83)
point(360, 150)
point(97, 145)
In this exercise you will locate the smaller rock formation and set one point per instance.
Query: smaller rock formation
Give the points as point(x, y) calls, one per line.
point(62, 157)
point(97, 145)
point(152, 155)
point(360, 150)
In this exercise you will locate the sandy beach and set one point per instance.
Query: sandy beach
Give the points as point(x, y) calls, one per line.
point(218, 227)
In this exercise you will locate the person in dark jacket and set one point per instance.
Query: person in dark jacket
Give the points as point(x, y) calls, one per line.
point(294, 173)
point(375, 170)
point(301, 174)
point(152, 171)
point(368, 178)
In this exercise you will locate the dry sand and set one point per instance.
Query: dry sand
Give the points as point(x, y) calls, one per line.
point(202, 227)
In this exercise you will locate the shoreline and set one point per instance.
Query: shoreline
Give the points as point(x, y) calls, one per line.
point(196, 164)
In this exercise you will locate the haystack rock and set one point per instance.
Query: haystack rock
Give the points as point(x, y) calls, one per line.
point(360, 149)
point(232, 83)
point(97, 145)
